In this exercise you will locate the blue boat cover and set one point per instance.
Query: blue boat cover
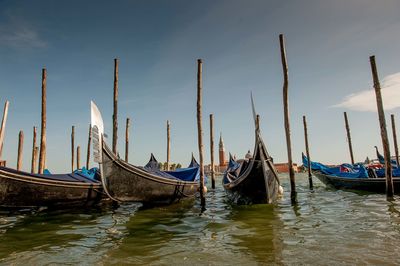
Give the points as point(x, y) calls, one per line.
point(382, 159)
point(344, 170)
point(232, 165)
point(73, 177)
point(184, 174)
point(89, 173)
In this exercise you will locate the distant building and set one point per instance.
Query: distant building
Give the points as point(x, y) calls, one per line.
point(284, 167)
point(222, 158)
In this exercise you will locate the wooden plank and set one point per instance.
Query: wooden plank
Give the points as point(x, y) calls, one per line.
point(396, 147)
point(33, 162)
point(310, 181)
point(127, 139)
point(382, 124)
point(212, 150)
point(346, 121)
point(286, 116)
point(115, 114)
point(200, 130)
point(42, 153)
point(20, 150)
point(3, 126)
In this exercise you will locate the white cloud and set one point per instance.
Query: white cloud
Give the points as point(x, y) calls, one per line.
point(366, 101)
point(17, 33)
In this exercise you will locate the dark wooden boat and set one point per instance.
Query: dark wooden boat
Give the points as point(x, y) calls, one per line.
point(24, 190)
point(253, 180)
point(124, 182)
point(377, 185)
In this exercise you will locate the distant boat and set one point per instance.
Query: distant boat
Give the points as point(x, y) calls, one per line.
point(20, 189)
point(128, 183)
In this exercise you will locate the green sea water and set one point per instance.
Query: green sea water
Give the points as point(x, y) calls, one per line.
point(325, 227)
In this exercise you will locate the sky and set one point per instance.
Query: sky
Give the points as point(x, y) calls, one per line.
point(328, 45)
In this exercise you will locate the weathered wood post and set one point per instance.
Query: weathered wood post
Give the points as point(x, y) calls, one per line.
point(258, 122)
point(33, 162)
point(42, 153)
point(396, 148)
point(382, 123)
point(78, 157)
point(200, 129)
point(212, 150)
point(88, 147)
point(286, 117)
point(168, 144)
point(3, 126)
point(20, 149)
point(127, 139)
point(72, 148)
point(115, 115)
point(346, 122)
point(310, 181)
point(35, 159)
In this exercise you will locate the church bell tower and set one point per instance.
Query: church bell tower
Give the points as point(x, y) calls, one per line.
point(222, 160)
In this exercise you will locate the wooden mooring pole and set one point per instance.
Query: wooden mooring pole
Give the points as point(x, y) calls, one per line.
point(88, 147)
point(78, 157)
point(396, 148)
point(33, 162)
point(20, 150)
point(35, 159)
point(382, 123)
point(72, 148)
point(200, 129)
point(128, 122)
point(310, 181)
point(286, 117)
point(168, 144)
point(115, 115)
point(346, 122)
point(212, 150)
point(42, 153)
point(3, 126)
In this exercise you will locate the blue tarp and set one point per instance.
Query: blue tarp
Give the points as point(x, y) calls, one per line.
point(232, 165)
point(382, 159)
point(357, 171)
point(187, 174)
point(184, 174)
point(91, 173)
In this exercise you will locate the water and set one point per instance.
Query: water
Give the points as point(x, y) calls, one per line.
point(326, 227)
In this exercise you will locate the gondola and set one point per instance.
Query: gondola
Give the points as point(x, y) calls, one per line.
point(377, 185)
point(125, 182)
point(353, 177)
point(20, 189)
point(252, 180)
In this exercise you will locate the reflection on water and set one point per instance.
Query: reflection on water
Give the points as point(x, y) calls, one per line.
point(324, 227)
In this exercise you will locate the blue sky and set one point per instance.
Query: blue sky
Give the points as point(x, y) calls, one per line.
point(328, 47)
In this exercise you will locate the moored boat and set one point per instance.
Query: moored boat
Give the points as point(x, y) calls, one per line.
point(352, 177)
point(20, 189)
point(252, 180)
point(125, 182)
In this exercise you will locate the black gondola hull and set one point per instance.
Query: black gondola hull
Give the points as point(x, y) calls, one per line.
point(254, 189)
point(127, 183)
point(18, 190)
point(255, 180)
point(376, 185)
